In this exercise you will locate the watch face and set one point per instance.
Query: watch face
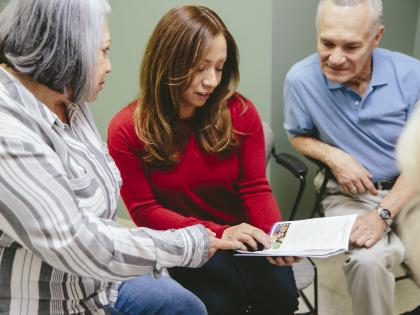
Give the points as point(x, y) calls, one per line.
point(385, 214)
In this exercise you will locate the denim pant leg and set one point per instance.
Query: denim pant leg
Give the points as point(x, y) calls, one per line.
point(163, 296)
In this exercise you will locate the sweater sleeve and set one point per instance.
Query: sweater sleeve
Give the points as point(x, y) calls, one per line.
point(136, 191)
point(261, 207)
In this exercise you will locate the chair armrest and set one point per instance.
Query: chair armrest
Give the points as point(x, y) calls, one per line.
point(291, 163)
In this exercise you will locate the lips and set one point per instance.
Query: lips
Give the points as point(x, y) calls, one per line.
point(204, 93)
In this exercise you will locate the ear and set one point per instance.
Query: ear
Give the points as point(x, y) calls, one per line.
point(378, 36)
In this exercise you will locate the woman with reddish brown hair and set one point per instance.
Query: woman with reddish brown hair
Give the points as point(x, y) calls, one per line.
point(191, 150)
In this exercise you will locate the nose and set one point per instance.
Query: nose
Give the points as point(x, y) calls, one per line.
point(211, 78)
point(336, 58)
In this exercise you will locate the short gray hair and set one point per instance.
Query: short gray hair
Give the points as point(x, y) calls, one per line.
point(55, 42)
point(375, 7)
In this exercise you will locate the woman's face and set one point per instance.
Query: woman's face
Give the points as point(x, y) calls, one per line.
point(103, 65)
point(206, 79)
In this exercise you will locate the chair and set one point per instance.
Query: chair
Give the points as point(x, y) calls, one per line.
point(305, 271)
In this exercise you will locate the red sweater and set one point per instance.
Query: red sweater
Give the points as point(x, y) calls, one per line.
point(217, 192)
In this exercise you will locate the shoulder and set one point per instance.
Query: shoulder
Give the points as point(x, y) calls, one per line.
point(401, 63)
point(243, 112)
point(396, 56)
point(122, 127)
point(304, 69)
point(241, 108)
point(124, 119)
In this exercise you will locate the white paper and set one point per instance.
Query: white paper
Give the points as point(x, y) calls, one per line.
point(318, 237)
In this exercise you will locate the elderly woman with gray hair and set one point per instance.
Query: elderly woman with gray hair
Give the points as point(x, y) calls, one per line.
point(60, 250)
point(408, 152)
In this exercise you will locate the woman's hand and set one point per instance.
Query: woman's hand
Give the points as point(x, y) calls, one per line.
point(283, 260)
point(249, 236)
point(217, 243)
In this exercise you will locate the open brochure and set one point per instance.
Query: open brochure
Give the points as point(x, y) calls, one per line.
point(319, 237)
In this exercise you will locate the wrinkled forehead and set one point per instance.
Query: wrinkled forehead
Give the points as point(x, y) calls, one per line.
point(347, 23)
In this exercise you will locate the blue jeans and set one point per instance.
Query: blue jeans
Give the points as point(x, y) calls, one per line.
point(164, 296)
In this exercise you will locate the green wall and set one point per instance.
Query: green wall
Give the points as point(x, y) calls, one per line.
point(417, 40)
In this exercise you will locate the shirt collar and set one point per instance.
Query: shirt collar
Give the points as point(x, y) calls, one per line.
point(380, 73)
point(381, 69)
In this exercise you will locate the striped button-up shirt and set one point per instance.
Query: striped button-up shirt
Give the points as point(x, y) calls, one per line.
point(60, 250)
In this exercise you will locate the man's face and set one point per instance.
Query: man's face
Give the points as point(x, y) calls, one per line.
point(345, 42)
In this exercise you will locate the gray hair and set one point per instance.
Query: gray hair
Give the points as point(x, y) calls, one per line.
point(55, 42)
point(375, 7)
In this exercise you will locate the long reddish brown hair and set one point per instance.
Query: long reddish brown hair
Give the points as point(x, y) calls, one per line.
point(175, 50)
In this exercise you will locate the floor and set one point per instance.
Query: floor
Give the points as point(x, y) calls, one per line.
point(332, 291)
point(333, 298)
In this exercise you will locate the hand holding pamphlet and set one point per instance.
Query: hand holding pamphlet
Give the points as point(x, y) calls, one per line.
point(319, 237)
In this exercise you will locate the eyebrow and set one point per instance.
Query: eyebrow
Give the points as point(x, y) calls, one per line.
point(353, 42)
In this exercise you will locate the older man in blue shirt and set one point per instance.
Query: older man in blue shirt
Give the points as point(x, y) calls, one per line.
point(346, 106)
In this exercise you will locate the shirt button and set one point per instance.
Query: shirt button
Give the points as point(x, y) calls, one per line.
point(357, 103)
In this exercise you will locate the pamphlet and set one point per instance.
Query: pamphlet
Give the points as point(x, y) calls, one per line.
point(318, 237)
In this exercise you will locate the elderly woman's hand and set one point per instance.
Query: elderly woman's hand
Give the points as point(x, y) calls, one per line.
point(217, 243)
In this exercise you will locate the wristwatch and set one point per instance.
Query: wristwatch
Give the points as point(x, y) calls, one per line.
point(384, 214)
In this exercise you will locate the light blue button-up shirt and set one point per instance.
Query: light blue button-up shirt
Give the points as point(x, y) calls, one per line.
point(365, 127)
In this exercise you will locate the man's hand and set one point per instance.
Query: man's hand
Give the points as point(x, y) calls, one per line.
point(217, 243)
point(248, 235)
point(350, 174)
point(367, 229)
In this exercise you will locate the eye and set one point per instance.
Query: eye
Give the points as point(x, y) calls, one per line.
point(351, 47)
point(106, 50)
point(328, 44)
point(219, 69)
point(201, 68)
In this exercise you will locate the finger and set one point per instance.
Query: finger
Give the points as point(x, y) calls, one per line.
point(211, 233)
point(228, 244)
point(261, 237)
point(352, 187)
point(289, 259)
point(369, 243)
point(355, 235)
point(280, 261)
point(271, 260)
point(370, 187)
point(360, 187)
point(212, 251)
point(248, 240)
point(346, 188)
point(298, 259)
point(361, 240)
